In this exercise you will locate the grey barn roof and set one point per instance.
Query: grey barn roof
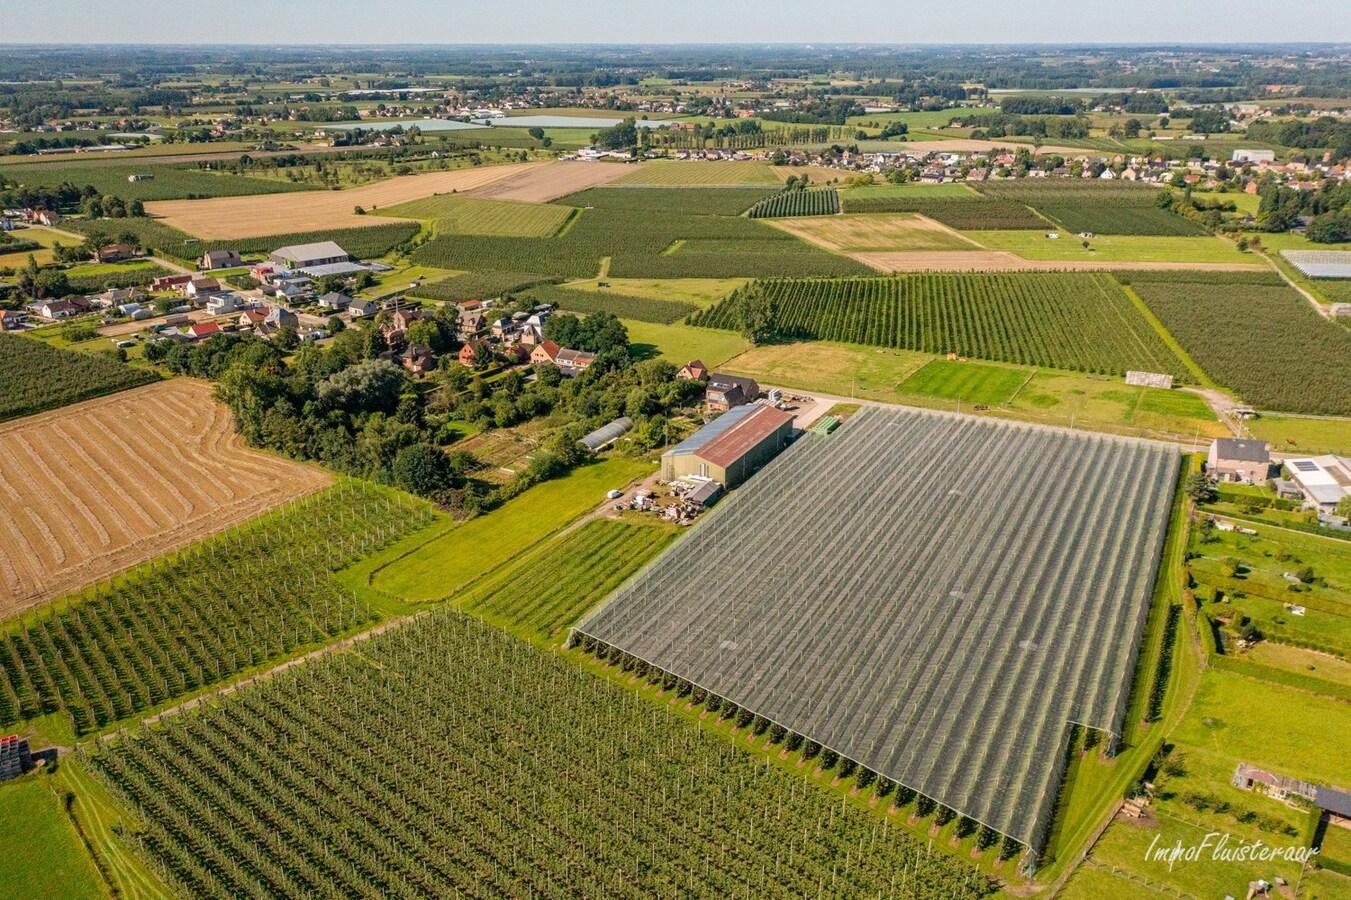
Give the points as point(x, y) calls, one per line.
point(1334, 801)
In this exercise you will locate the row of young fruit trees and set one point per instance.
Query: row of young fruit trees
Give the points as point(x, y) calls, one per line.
point(192, 619)
point(448, 758)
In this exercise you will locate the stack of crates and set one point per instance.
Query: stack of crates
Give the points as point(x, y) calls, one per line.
point(15, 757)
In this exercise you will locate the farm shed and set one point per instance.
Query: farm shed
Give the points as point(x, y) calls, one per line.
point(918, 595)
point(607, 434)
point(731, 447)
point(1324, 480)
point(302, 256)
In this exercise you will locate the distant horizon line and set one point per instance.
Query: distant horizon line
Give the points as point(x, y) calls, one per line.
point(1200, 44)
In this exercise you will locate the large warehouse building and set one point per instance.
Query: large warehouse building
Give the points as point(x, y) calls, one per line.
point(731, 447)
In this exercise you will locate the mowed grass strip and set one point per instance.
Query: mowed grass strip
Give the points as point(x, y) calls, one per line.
point(452, 561)
point(454, 214)
point(43, 854)
point(973, 382)
point(538, 596)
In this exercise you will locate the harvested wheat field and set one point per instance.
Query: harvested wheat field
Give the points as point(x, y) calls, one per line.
point(549, 182)
point(873, 232)
point(94, 488)
point(1003, 261)
point(259, 215)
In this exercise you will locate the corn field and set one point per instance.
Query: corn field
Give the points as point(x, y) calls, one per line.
point(451, 759)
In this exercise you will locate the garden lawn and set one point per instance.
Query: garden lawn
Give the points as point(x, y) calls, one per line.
point(1115, 248)
point(452, 561)
point(42, 854)
point(972, 382)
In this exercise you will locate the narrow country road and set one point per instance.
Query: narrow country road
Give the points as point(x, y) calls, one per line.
point(1313, 301)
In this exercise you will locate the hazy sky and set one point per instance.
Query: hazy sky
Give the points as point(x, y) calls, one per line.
point(676, 21)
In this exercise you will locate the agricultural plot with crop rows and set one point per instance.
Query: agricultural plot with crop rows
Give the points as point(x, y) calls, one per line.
point(818, 202)
point(1075, 321)
point(451, 759)
point(35, 376)
point(478, 285)
point(688, 201)
point(196, 618)
point(108, 483)
point(1262, 340)
point(459, 214)
point(942, 629)
point(642, 243)
point(1087, 205)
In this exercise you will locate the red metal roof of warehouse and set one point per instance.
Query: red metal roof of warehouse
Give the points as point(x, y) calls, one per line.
point(741, 438)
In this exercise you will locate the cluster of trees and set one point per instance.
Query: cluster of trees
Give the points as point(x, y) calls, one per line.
point(817, 111)
point(1324, 132)
point(1210, 121)
point(1041, 106)
point(1005, 125)
point(1329, 209)
point(352, 409)
point(69, 197)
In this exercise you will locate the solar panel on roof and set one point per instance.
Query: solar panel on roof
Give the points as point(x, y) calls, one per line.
point(1305, 465)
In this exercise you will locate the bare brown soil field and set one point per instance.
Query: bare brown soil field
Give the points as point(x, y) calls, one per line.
point(874, 232)
point(549, 182)
point(221, 218)
point(92, 489)
point(1003, 261)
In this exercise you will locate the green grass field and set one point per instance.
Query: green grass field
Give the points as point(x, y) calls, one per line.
point(538, 596)
point(681, 343)
point(719, 172)
point(449, 563)
point(41, 854)
point(1268, 725)
point(846, 370)
point(972, 382)
point(1289, 433)
point(170, 182)
point(1115, 248)
point(1065, 398)
point(912, 189)
point(699, 291)
point(454, 214)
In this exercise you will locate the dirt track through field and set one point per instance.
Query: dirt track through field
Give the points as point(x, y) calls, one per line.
point(94, 488)
point(1004, 261)
point(221, 218)
point(549, 182)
